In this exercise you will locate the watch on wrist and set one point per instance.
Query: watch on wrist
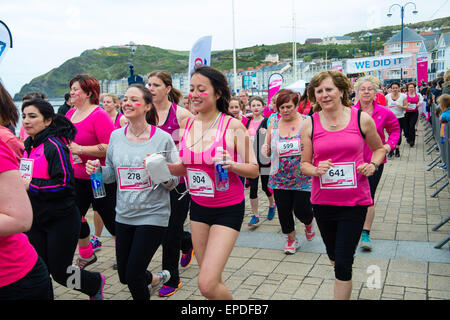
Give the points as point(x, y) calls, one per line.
point(375, 165)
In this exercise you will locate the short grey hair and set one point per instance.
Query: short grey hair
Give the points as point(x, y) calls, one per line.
point(373, 80)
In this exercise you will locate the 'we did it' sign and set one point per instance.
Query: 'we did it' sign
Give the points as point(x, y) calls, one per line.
point(396, 61)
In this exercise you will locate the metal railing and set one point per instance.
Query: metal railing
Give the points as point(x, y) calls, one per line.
point(433, 134)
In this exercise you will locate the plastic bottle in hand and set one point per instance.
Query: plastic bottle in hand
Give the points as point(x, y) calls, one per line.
point(98, 187)
point(221, 174)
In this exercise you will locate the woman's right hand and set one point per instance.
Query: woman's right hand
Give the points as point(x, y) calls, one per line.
point(91, 165)
point(323, 167)
point(265, 150)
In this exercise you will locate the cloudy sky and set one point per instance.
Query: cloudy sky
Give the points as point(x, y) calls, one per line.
point(46, 33)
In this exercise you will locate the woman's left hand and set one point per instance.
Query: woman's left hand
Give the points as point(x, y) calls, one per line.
point(74, 148)
point(366, 169)
point(225, 160)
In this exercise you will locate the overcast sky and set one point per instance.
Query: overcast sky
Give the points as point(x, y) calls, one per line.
point(46, 33)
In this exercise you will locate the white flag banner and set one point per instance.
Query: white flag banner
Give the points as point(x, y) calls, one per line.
point(5, 40)
point(200, 53)
point(396, 61)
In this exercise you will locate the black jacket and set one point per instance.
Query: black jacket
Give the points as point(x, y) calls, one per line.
point(51, 193)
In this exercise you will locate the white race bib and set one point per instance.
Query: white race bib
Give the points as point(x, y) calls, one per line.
point(341, 176)
point(288, 148)
point(76, 159)
point(200, 184)
point(412, 106)
point(26, 168)
point(131, 179)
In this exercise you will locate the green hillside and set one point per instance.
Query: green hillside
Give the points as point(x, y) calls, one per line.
point(112, 62)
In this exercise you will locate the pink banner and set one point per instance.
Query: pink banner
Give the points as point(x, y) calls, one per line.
point(422, 69)
point(275, 82)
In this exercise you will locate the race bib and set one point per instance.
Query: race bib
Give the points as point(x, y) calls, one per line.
point(76, 159)
point(131, 179)
point(289, 148)
point(341, 176)
point(26, 168)
point(412, 106)
point(200, 184)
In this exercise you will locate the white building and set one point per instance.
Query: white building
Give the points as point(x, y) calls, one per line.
point(443, 54)
point(337, 40)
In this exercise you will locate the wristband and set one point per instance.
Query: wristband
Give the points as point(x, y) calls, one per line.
point(81, 150)
point(375, 165)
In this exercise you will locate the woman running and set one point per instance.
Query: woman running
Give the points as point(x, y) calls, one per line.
point(385, 121)
point(217, 208)
point(292, 189)
point(168, 115)
point(49, 179)
point(397, 103)
point(143, 208)
point(414, 99)
point(23, 274)
point(257, 128)
point(333, 141)
point(94, 127)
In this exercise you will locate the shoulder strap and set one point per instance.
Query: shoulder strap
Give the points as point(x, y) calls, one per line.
point(359, 123)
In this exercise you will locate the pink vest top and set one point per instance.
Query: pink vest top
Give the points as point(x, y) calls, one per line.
point(342, 185)
point(200, 167)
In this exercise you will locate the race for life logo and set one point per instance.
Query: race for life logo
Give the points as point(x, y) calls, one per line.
point(199, 62)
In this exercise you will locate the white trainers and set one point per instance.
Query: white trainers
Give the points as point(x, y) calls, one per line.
point(291, 246)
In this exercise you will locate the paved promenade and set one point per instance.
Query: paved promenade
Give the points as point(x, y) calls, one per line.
point(403, 264)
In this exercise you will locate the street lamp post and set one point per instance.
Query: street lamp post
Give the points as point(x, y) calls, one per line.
point(402, 14)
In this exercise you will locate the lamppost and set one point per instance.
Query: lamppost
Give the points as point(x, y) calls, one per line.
point(402, 14)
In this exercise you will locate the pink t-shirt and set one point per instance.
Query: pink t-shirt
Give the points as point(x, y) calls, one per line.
point(17, 255)
point(12, 142)
point(95, 129)
point(342, 185)
point(253, 126)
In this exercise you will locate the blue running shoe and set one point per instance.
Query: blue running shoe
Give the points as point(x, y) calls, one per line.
point(254, 221)
point(271, 213)
point(96, 244)
point(365, 241)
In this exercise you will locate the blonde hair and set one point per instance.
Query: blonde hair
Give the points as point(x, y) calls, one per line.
point(114, 98)
point(444, 102)
point(241, 103)
point(373, 80)
point(340, 81)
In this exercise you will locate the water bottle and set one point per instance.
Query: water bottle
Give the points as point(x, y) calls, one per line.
point(98, 187)
point(221, 174)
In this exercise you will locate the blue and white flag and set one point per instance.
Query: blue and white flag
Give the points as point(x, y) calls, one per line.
point(200, 54)
point(5, 40)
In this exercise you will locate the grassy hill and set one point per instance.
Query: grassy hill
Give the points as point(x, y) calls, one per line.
point(112, 62)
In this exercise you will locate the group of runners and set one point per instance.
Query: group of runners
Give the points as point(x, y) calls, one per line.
point(320, 164)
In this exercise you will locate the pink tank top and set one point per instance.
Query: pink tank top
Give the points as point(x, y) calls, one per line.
point(172, 127)
point(117, 121)
point(201, 175)
point(342, 185)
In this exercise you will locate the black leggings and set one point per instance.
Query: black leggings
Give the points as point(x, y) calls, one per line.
point(254, 186)
point(35, 285)
point(176, 238)
point(401, 122)
point(106, 206)
point(340, 228)
point(293, 200)
point(374, 180)
point(56, 243)
point(135, 247)
point(410, 126)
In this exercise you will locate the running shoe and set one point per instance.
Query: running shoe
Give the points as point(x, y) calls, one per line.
point(443, 167)
point(83, 263)
point(164, 277)
point(186, 258)
point(271, 213)
point(390, 154)
point(291, 246)
point(397, 153)
point(96, 244)
point(310, 231)
point(365, 241)
point(254, 221)
point(167, 291)
point(99, 294)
